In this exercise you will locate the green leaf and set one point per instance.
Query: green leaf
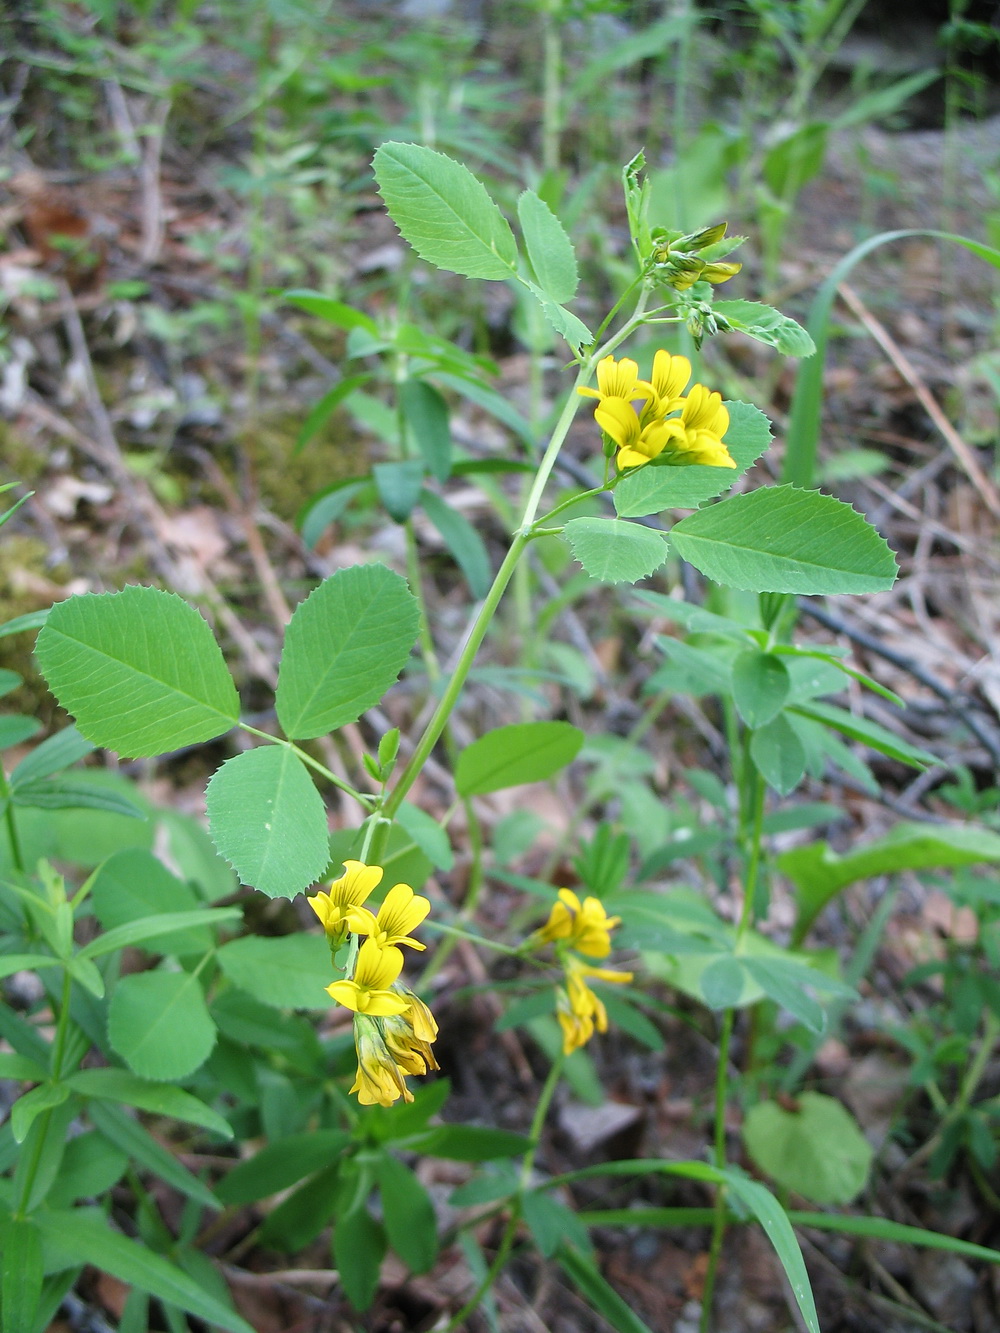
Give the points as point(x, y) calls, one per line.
point(22, 1067)
point(133, 885)
point(408, 1214)
point(549, 248)
point(126, 1133)
point(326, 407)
point(814, 1147)
point(30, 620)
point(444, 212)
point(160, 927)
point(553, 1223)
point(426, 414)
point(67, 793)
point(139, 669)
point(23, 962)
point(84, 1236)
point(428, 834)
point(359, 1247)
point(21, 1283)
point(819, 873)
point(785, 540)
point(760, 686)
point(280, 1165)
point(722, 982)
point(268, 820)
point(616, 552)
point(870, 733)
point(118, 1085)
point(334, 312)
point(53, 755)
point(513, 755)
point(778, 755)
point(399, 486)
point(299, 1219)
point(159, 1024)
point(9, 681)
point(344, 646)
point(767, 325)
point(90, 1166)
point(783, 981)
point(562, 320)
point(653, 488)
point(327, 506)
point(16, 729)
point(497, 406)
point(284, 971)
point(462, 540)
point(774, 1220)
point(881, 1228)
point(31, 1105)
point(599, 1294)
point(471, 1143)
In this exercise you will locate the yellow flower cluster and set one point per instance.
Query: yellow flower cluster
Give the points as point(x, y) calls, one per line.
point(393, 1028)
point(695, 436)
point(586, 928)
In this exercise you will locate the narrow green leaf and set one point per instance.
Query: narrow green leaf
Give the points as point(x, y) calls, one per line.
point(118, 1085)
point(328, 505)
point(785, 987)
point(584, 1274)
point(126, 1133)
point(20, 1067)
point(881, 1228)
point(444, 212)
point(358, 1250)
point(285, 971)
point(53, 755)
point(813, 1147)
point(616, 552)
point(553, 1223)
point(462, 540)
point(91, 1165)
point(653, 488)
point(767, 325)
point(159, 1024)
point(30, 620)
point(471, 1143)
point(24, 962)
point(780, 539)
point(869, 733)
point(334, 312)
point(84, 1236)
point(426, 414)
point(428, 834)
point(67, 793)
point(344, 647)
point(326, 407)
point(139, 669)
point(268, 820)
point(280, 1165)
point(549, 248)
point(21, 1283)
point(160, 927)
point(9, 681)
point(408, 1213)
point(299, 1219)
point(131, 887)
point(513, 755)
point(16, 729)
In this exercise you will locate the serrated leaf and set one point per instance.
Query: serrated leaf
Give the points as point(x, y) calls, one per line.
point(549, 248)
point(159, 1024)
point(653, 488)
point(285, 971)
point(781, 539)
point(140, 670)
point(562, 320)
point(462, 540)
point(614, 551)
point(444, 212)
point(767, 325)
point(344, 647)
point(813, 1147)
point(268, 820)
point(513, 755)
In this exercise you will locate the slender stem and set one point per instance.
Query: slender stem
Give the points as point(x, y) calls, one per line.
point(551, 90)
point(538, 1119)
point(17, 855)
point(27, 1183)
point(974, 1073)
point(492, 1273)
point(367, 802)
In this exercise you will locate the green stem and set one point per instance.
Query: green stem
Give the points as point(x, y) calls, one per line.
point(974, 1073)
point(27, 1182)
point(367, 802)
point(538, 1119)
point(551, 89)
point(16, 853)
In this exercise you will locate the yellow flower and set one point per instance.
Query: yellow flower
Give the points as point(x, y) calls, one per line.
point(401, 911)
point(618, 379)
point(636, 443)
point(717, 273)
point(696, 435)
point(340, 910)
point(379, 1080)
point(578, 1009)
point(411, 1051)
point(668, 380)
point(585, 926)
point(369, 990)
